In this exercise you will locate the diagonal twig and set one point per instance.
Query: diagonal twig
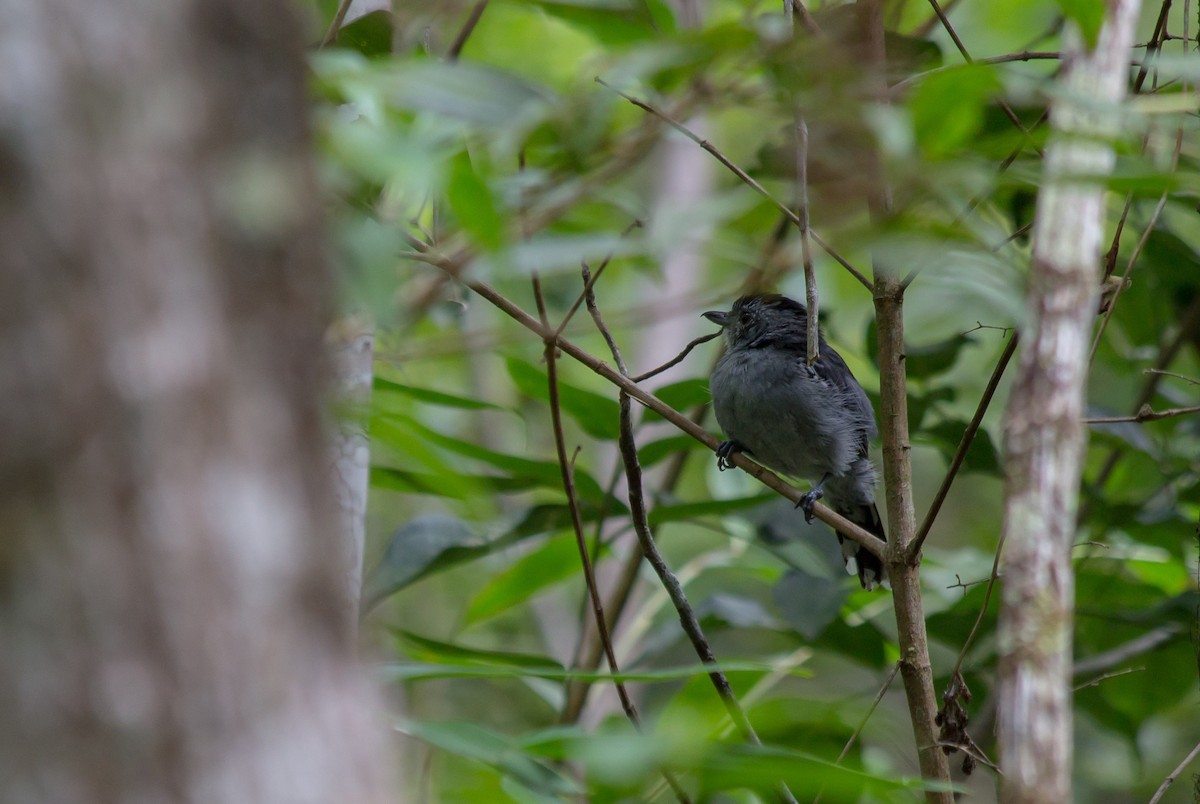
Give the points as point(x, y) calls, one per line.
point(746, 178)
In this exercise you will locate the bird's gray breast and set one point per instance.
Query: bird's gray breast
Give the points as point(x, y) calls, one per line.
point(783, 413)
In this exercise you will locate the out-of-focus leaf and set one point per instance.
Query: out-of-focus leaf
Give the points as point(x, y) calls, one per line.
point(429, 650)
point(471, 200)
point(433, 397)
point(681, 396)
point(809, 603)
point(1088, 15)
point(762, 767)
point(414, 550)
point(612, 22)
point(655, 451)
point(919, 405)
point(431, 544)
point(494, 749)
point(597, 415)
point(447, 484)
point(370, 34)
point(735, 611)
point(554, 561)
point(921, 362)
point(466, 91)
point(948, 107)
point(982, 455)
point(545, 473)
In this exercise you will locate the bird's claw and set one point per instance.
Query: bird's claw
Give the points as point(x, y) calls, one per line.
point(724, 452)
point(807, 500)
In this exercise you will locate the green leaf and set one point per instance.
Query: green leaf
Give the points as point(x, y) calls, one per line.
point(982, 455)
point(948, 107)
point(542, 473)
point(681, 396)
point(655, 451)
point(415, 549)
point(471, 200)
point(598, 415)
point(433, 650)
point(370, 34)
point(611, 22)
point(1088, 15)
point(554, 561)
point(809, 603)
point(921, 362)
point(453, 485)
point(432, 397)
point(469, 92)
point(493, 749)
point(434, 543)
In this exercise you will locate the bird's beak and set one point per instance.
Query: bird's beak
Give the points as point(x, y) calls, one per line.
point(718, 317)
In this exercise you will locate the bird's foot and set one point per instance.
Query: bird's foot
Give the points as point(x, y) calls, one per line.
point(807, 500)
point(725, 451)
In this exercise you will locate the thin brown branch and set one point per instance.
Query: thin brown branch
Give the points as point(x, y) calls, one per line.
point(797, 11)
point(589, 574)
point(468, 28)
point(1099, 679)
point(568, 481)
point(887, 684)
point(1008, 110)
point(1173, 775)
point(1146, 415)
point(1183, 377)
point(677, 359)
point(590, 282)
point(745, 177)
point(973, 752)
point(987, 599)
point(811, 296)
point(1024, 55)
point(964, 445)
point(1137, 251)
point(335, 25)
point(904, 573)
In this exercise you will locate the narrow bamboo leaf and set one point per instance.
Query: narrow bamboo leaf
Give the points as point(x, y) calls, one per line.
point(433, 650)
point(494, 749)
point(473, 205)
point(554, 561)
point(546, 473)
point(433, 397)
point(414, 550)
point(418, 671)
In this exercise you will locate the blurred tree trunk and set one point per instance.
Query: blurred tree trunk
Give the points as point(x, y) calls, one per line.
point(1044, 431)
point(172, 610)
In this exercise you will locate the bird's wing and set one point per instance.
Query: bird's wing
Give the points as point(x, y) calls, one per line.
point(832, 370)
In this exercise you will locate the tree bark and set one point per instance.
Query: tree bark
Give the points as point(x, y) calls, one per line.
point(171, 603)
point(1044, 432)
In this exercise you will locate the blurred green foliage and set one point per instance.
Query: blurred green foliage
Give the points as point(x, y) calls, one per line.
point(512, 159)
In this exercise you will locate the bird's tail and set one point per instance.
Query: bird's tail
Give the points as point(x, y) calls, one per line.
point(869, 568)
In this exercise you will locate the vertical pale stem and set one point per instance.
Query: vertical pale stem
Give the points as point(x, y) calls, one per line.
point(1044, 433)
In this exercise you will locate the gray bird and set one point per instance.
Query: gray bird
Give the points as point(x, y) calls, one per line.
point(813, 422)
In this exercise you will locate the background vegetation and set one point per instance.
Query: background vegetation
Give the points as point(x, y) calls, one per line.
point(474, 143)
